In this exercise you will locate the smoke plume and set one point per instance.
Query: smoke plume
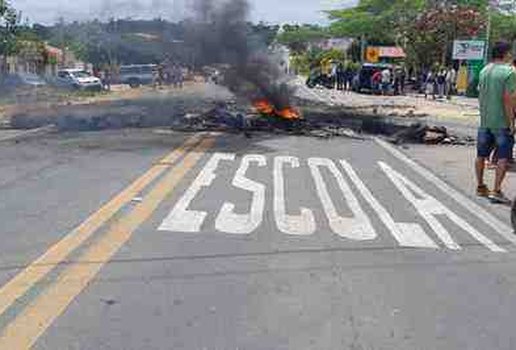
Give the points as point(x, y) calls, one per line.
point(222, 35)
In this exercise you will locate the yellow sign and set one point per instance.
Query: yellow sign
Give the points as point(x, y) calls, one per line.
point(373, 54)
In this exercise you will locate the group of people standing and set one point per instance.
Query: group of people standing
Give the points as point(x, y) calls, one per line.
point(389, 80)
point(339, 74)
point(440, 82)
point(343, 76)
point(169, 74)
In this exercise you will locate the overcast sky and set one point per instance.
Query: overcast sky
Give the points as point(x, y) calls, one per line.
point(275, 11)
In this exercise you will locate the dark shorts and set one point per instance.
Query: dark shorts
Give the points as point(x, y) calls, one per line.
point(488, 140)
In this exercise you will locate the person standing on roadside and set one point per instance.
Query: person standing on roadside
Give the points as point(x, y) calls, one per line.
point(451, 80)
point(386, 81)
point(403, 79)
point(341, 79)
point(397, 82)
point(497, 88)
point(429, 85)
point(441, 82)
point(376, 81)
point(349, 76)
point(106, 81)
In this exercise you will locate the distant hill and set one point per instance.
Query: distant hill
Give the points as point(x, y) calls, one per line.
point(129, 41)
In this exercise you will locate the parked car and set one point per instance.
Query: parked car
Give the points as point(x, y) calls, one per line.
point(21, 80)
point(78, 79)
point(363, 80)
point(137, 74)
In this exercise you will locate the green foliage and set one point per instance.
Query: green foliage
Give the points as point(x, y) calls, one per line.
point(302, 62)
point(299, 37)
point(424, 28)
point(136, 41)
point(503, 27)
point(333, 54)
point(378, 21)
point(9, 22)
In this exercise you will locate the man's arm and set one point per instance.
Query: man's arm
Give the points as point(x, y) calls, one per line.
point(510, 99)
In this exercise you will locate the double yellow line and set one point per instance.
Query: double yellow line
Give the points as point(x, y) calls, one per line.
point(33, 321)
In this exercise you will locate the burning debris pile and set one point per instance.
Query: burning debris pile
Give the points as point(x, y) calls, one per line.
point(421, 133)
point(262, 116)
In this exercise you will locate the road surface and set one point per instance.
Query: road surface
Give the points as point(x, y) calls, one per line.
point(141, 239)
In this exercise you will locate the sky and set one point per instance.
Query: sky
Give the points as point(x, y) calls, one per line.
point(271, 11)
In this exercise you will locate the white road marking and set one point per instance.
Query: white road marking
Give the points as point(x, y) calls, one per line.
point(180, 218)
point(475, 209)
point(357, 228)
point(229, 222)
point(428, 207)
point(303, 224)
point(407, 234)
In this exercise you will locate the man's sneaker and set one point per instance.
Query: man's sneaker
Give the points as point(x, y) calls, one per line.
point(483, 191)
point(499, 198)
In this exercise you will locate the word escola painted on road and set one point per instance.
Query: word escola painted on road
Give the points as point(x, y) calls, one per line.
point(357, 227)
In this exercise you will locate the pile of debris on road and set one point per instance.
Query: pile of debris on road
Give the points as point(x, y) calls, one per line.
point(430, 135)
point(228, 117)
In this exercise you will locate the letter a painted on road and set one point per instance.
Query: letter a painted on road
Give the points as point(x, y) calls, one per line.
point(429, 207)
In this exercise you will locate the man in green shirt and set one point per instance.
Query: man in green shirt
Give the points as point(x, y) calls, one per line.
point(497, 99)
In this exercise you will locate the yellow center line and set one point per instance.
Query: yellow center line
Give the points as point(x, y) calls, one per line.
point(37, 270)
point(32, 322)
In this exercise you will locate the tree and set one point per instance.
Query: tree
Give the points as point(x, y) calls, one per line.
point(431, 38)
point(503, 25)
point(9, 21)
point(377, 21)
point(298, 37)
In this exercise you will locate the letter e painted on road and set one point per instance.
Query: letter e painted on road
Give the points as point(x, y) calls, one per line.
point(303, 224)
point(429, 207)
point(229, 222)
point(180, 218)
point(359, 226)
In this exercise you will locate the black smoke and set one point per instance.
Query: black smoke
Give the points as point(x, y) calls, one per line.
point(221, 33)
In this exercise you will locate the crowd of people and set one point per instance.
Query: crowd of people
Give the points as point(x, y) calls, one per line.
point(169, 74)
point(439, 83)
point(389, 80)
point(334, 74)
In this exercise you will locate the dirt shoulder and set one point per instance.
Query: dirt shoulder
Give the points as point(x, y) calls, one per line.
point(122, 107)
point(455, 165)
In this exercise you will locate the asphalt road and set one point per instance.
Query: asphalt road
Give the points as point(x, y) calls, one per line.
point(143, 240)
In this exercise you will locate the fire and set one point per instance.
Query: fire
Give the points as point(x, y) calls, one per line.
point(288, 113)
point(265, 107)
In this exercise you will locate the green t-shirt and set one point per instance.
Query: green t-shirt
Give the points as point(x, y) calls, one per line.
point(495, 80)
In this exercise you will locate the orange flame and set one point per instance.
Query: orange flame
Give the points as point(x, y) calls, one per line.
point(288, 113)
point(265, 107)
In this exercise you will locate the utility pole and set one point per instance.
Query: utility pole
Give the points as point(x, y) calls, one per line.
point(488, 34)
point(362, 48)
